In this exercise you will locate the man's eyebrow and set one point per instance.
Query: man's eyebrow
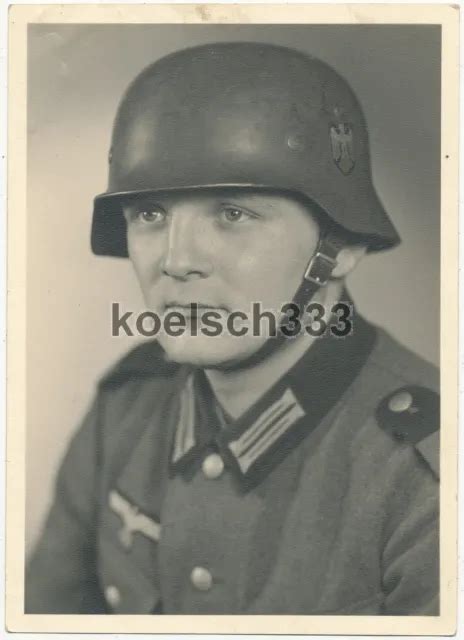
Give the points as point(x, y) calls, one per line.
point(145, 202)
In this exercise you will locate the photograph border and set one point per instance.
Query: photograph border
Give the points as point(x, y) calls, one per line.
point(20, 16)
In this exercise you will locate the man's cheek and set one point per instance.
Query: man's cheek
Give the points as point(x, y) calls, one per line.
point(148, 280)
point(287, 280)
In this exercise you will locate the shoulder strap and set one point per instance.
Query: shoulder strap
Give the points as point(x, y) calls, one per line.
point(145, 360)
point(411, 414)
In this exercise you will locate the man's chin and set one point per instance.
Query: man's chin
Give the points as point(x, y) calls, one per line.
point(207, 352)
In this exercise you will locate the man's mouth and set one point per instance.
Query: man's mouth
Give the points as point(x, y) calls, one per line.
point(192, 309)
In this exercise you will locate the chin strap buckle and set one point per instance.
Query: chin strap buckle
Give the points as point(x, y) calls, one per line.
point(320, 269)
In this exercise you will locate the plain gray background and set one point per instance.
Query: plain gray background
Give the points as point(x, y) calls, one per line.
point(77, 74)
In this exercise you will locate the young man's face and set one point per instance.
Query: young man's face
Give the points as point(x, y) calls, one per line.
point(223, 250)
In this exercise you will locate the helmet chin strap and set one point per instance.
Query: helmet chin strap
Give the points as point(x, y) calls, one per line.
point(319, 269)
point(316, 275)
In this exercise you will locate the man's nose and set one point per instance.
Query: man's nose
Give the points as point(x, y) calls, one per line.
point(184, 255)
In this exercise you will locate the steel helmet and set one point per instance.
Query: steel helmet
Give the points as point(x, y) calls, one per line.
point(246, 115)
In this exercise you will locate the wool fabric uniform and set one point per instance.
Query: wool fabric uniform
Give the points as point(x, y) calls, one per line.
point(321, 499)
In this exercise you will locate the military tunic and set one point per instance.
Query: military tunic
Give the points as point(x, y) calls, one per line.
point(321, 499)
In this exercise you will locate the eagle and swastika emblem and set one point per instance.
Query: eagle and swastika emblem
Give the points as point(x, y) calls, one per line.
point(133, 521)
point(341, 140)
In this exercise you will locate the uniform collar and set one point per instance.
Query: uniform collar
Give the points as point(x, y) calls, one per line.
point(291, 409)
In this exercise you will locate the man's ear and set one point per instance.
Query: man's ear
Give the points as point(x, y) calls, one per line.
point(347, 259)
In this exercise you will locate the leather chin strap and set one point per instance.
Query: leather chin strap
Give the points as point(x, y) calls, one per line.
point(319, 269)
point(316, 275)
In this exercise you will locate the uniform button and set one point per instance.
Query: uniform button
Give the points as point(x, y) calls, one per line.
point(201, 579)
point(400, 402)
point(112, 595)
point(213, 466)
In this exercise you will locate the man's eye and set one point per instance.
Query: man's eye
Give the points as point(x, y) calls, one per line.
point(150, 215)
point(234, 214)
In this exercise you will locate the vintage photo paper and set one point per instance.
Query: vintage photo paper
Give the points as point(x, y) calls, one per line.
point(232, 316)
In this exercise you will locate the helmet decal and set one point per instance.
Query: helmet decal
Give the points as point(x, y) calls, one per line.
point(341, 140)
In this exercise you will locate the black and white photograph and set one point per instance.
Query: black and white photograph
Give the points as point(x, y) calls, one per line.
point(239, 392)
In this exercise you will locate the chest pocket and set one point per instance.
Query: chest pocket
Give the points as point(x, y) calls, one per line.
point(128, 558)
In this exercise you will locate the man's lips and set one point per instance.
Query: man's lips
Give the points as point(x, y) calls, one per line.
point(193, 309)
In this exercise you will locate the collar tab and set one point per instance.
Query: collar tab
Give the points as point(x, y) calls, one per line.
point(264, 432)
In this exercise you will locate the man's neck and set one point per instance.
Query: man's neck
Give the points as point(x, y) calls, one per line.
point(237, 390)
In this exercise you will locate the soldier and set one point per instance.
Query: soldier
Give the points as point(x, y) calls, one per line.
point(252, 475)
